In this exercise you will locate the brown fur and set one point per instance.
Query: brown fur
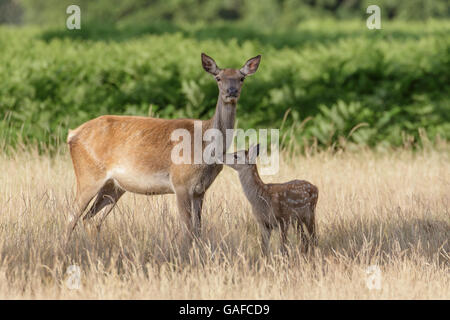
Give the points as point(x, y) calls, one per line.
point(114, 154)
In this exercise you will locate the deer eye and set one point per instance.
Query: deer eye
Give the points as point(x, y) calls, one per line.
point(242, 79)
point(235, 156)
point(217, 79)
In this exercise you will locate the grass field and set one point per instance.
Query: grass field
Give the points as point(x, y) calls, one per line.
point(364, 114)
point(390, 210)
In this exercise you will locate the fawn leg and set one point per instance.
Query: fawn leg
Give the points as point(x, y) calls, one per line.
point(283, 234)
point(265, 238)
point(312, 231)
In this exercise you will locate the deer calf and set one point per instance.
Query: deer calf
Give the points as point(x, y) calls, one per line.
point(277, 204)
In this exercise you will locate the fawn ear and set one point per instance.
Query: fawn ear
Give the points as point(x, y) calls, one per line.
point(251, 66)
point(210, 65)
point(253, 153)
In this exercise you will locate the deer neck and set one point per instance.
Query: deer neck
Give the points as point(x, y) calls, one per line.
point(224, 117)
point(254, 188)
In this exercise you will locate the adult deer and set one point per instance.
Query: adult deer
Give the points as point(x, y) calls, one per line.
point(114, 154)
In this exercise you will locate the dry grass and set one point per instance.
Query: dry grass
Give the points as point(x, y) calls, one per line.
point(391, 210)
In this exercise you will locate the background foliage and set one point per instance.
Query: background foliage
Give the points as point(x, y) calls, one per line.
point(322, 71)
point(267, 13)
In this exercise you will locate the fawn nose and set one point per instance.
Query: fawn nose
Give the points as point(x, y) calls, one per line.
point(232, 91)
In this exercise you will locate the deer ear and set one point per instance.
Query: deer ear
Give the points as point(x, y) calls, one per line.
point(210, 65)
point(253, 153)
point(251, 66)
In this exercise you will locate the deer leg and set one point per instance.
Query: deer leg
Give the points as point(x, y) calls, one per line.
point(312, 230)
point(108, 209)
point(197, 204)
point(90, 177)
point(266, 231)
point(304, 237)
point(185, 206)
point(310, 239)
point(84, 196)
point(106, 199)
point(283, 234)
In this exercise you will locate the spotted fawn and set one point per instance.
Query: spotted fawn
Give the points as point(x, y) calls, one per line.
point(276, 204)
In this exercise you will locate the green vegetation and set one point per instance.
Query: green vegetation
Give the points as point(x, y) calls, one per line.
point(268, 13)
point(334, 74)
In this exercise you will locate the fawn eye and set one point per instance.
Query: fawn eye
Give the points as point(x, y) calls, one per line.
point(242, 79)
point(218, 79)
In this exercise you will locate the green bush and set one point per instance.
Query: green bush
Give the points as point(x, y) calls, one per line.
point(393, 80)
point(261, 13)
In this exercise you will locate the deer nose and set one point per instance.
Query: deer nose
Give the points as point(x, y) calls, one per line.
point(232, 91)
